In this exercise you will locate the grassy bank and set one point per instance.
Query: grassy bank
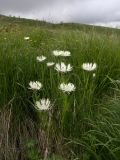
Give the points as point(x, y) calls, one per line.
point(84, 124)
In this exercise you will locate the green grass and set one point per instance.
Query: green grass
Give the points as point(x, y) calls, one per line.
point(90, 127)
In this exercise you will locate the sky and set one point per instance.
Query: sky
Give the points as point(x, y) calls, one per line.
point(98, 12)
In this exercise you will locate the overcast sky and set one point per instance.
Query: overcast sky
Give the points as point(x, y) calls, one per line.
point(101, 12)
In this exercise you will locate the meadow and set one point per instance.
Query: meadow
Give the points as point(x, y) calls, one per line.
point(82, 124)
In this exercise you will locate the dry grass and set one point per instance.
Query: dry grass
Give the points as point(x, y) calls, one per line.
point(15, 143)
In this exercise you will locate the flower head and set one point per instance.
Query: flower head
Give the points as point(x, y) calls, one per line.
point(117, 81)
point(43, 104)
point(26, 38)
point(67, 87)
point(35, 85)
point(65, 54)
point(89, 66)
point(40, 58)
point(56, 53)
point(49, 64)
point(63, 68)
point(61, 53)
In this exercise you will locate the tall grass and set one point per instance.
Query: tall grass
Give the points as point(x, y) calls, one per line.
point(90, 127)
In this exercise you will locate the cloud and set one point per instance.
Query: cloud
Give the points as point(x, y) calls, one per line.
point(115, 24)
point(81, 11)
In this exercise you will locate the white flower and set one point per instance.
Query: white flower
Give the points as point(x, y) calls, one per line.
point(43, 104)
point(61, 53)
point(117, 81)
point(67, 87)
point(35, 85)
point(89, 66)
point(63, 68)
point(56, 53)
point(65, 54)
point(26, 38)
point(40, 58)
point(49, 64)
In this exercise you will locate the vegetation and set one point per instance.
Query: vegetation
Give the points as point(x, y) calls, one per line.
point(82, 125)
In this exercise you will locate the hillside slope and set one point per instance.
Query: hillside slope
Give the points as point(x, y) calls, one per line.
point(65, 111)
point(4, 20)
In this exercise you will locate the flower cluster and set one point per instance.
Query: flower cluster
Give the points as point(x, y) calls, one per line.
point(44, 103)
point(64, 68)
